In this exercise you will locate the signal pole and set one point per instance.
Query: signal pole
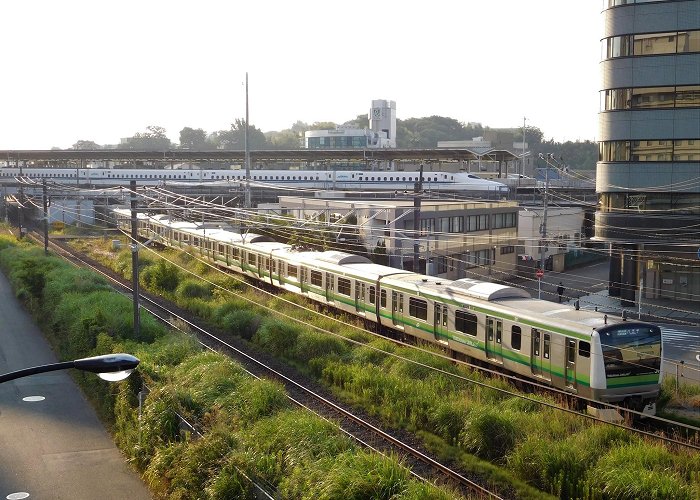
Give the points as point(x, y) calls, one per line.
point(247, 149)
point(45, 202)
point(418, 188)
point(543, 226)
point(135, 260)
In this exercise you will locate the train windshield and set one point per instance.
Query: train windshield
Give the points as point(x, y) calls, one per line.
point(633, 349)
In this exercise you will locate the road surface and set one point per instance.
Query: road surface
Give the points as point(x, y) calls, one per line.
point(52, 444)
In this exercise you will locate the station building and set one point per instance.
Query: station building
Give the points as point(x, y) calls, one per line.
point(456, 239)
point(380, 134)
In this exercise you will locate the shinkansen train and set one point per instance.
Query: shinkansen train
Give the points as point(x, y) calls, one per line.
point(297, 179)
point(583, 352)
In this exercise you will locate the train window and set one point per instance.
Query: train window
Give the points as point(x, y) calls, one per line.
point(465, 322)
point(515, 337)
point(570, 350)
point(344, 286)
point(316, 278)
point(251, 258)
point(372, 295)
point(382, 298)
point(235, 252)
point(418, 308)
point(292, 271)
point(545, 351)
point(584, 349)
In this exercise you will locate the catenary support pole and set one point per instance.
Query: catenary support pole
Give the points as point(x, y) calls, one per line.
point(416, 222)
point(45, 202)
point(135, 260)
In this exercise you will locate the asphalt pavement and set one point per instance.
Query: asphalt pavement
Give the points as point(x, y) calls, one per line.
point(52, 444)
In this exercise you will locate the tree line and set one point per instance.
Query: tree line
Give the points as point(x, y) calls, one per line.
point(412, 133)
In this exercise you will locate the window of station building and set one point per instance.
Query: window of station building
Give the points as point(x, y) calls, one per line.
point(689, 41)
point(441, 264)
point(344, 286)
point(418, 308)
point(652, 150)
point(504, 220)
point(457, 224)
point(477, 223)
point(648, 44)
point(465, 322)
point(515, 337)
point(507, 249)
point(316, 278)
point(686, 150)
point(688, 96)
point(427, 226)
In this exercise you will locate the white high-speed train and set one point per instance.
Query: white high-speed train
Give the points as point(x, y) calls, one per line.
point(297, 179)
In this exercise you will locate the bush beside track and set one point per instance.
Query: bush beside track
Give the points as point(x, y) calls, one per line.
point(558, 453)
point(507, 439)
point(249, 430)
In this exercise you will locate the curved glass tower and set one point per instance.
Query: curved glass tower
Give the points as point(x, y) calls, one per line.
point(648, 171)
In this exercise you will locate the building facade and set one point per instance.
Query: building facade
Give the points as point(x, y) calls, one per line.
point(648, 173)
point(455, 240)
point(380, 134)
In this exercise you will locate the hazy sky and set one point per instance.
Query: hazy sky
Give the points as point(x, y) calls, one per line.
point(102, 70)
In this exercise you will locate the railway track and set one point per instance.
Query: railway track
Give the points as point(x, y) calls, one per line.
point(302, 392)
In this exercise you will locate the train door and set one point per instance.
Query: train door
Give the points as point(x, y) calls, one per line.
point(494, 339)
point(440, 322)
point(570, 370)
point(397, 307)
point(330, 287)
point(540, 353)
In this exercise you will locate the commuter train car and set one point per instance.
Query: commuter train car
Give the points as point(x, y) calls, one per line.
point(298, 179)
point(583, 352)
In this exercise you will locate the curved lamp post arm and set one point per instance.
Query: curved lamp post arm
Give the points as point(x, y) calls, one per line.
point(119, 365)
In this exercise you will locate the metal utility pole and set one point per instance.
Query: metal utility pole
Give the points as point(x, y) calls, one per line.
point(135, 260)
point(20, 210)
point(247, 149)
point(543, 226)
point(418, 189)
point(45, 202)
point(522, 161)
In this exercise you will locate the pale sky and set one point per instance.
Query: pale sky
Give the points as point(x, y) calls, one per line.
point(102, 70)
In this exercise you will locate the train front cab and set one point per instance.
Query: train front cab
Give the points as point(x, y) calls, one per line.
point(626, 365)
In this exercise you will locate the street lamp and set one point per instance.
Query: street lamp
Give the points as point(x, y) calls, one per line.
point(110, 367)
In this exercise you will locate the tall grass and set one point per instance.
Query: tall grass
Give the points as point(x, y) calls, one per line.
point(559, 453)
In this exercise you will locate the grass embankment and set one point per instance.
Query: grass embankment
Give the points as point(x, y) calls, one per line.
point(250, 433)
point(514, 443)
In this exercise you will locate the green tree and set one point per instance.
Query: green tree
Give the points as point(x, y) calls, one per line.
point(285, 139)
point(81, 144)
point(191, 138)
point(322, 126)
point(234, 138)
point(153, 139)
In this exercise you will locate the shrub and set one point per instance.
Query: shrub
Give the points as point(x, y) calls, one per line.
point(163, 277)
point(314, 344)
point(278, 336)
point(489, 432)
point(638, 471)
point(243, 323)
point(192, 288)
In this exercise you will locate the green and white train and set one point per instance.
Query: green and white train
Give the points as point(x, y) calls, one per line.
point(583, 352)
